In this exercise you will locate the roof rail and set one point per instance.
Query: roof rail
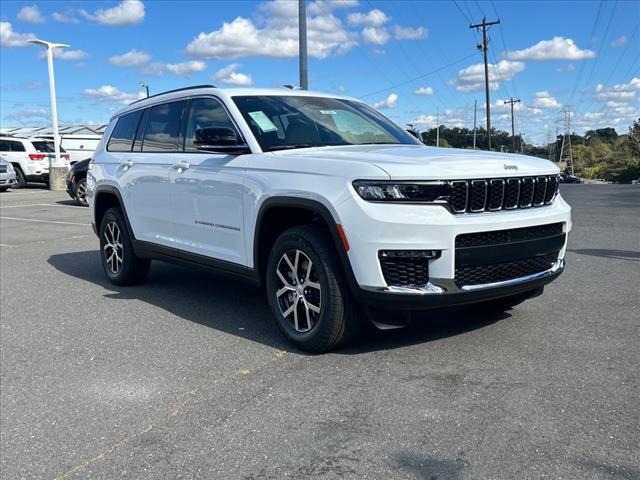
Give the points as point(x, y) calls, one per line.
point(172, 91)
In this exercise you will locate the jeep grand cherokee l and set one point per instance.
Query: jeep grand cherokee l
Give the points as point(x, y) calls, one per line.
point(324, 201)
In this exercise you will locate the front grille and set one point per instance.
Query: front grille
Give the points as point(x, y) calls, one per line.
point(474, 196)
point(405, 272)
point(499, 237)
point(483, 274)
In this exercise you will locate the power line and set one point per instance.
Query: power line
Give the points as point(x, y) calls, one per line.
point(506, 51)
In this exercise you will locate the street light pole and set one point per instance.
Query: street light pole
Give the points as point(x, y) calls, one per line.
point(142, 84)
point(57, 171)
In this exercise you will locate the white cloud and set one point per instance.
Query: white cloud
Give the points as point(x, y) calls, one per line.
point(133, 58)
point(544, 99)
point(229, 75)
point(388, 102)
point(65, 17)
point(127, 12)
point(30, 14)
point(26, 115)
point(65, 54)
point(408, 33)
point(11, 39)
point(620, 42)
point(374, 18)
point(559, 48)
point(569, 68)
point(109, 93)
point(184, 69)
point(423, 91)
point(375, 35)
point(471, 79)
point(321, 7)
point(625, 93)
point(276, 34)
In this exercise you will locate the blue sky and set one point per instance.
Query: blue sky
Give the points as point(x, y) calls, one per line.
point(410, 59)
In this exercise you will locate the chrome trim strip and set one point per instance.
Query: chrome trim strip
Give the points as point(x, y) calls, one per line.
point(428, 289)
point(559, 265)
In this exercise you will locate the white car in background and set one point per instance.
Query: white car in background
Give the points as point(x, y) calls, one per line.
point(7, 175)
point(30, 158)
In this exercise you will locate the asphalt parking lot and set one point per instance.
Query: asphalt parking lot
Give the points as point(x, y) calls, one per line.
point(187, 377)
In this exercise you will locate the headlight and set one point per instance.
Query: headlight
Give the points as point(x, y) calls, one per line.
point(9, 167)
point(376, 191)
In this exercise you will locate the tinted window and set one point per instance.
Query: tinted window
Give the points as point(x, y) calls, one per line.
point(163, 128)
point(205, 113)
point(17, 147)
point(4, 146)
point(44, 147)
point(122, 137)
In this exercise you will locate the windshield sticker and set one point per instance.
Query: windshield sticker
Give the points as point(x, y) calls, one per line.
point(265, 124)
point(328, 112)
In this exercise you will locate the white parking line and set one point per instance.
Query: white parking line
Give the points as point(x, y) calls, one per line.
point(44, 221)
point(41, 205)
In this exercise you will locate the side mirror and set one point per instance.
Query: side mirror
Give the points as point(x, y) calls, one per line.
point(219, 139)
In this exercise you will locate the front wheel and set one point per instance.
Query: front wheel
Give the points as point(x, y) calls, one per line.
point(21, 180)
point(119, 260)
point(81, 192)
point(307, 291)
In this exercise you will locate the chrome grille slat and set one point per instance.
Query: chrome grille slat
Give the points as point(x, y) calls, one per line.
point(496, 194)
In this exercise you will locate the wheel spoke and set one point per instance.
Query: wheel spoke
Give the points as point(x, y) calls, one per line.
point(296, 263)
point(283, 280)
point(284, 289)
point(295, 314)
point(312, 307)
point(293, 270)
point(315, 285)
point(308, 274)
point(292, 308)
point(306, 309)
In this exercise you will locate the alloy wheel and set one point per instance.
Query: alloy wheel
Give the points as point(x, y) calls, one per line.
point(81, 192)
point(299, 293)
point(113, 247)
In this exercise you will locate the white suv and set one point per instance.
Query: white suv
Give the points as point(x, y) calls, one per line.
point(30, 158)
point(337, 211)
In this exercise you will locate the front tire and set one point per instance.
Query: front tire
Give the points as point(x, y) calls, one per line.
point(21, 180)
point(118, 258)
point(307, 291)
point(81, 192)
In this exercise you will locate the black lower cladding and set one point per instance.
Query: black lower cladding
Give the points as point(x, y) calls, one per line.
point(495, 256)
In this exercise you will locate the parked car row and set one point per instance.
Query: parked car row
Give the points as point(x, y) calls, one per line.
point(29, 157)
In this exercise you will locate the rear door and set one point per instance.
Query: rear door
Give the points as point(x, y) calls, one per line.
point(207, 189)
point(142, 144)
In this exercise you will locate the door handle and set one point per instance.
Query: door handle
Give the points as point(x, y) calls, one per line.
point(181, 166)
point(127, 164)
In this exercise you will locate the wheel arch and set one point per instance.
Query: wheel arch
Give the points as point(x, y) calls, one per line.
point(104, 198)
point(299, 211)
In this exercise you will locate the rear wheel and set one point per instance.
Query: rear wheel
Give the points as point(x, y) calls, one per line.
point(81, 192)
point(21, 180)
point(119, 260)
point(307, 291)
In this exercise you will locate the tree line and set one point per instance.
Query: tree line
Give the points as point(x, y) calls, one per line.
point(599, 153)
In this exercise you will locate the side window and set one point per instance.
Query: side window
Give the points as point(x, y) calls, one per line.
point(4, 146)
point(17, 147)
point(123, 133)
point(163, 128)
point(204, 113)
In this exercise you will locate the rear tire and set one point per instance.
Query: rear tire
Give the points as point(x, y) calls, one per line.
point(118, 258)
point(308, 292)
point(21, 180)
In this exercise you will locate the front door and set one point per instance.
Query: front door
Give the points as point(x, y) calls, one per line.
point(207, 190)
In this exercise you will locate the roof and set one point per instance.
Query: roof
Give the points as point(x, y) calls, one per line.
point(225, 93)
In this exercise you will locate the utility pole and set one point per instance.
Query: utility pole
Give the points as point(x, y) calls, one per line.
point(475, 107)
point(512, 102)
point(484, 48)
point(437, 127)
point(565, 151)
point(302, 43)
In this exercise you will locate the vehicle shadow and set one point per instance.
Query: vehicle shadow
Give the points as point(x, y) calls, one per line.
point(69, 203)
point(608, 253)
point(239, 308)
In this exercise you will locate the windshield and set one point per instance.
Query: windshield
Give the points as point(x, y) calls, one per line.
point(285, 122)
point(46, 147)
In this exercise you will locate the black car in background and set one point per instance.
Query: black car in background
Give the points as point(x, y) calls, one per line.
point(77, 181)
point(566, 178)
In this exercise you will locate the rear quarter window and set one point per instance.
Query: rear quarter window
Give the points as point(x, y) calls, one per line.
point(45, 147)
point(16, 147)
point(124, 132)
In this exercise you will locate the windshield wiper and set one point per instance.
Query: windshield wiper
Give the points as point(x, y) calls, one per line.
point(292, 147)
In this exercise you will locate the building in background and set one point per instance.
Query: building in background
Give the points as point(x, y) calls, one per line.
point(79, 141)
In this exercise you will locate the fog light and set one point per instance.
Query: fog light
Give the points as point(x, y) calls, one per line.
point(409, 253)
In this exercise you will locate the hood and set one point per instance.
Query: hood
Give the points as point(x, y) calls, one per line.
point(419, 162)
